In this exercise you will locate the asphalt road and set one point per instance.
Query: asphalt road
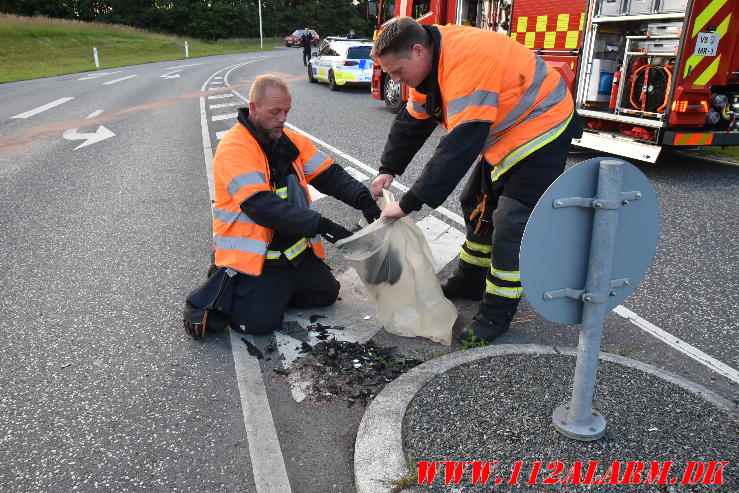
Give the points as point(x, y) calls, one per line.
point(101, 389)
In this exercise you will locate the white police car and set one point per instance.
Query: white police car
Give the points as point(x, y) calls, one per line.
point(342, 63)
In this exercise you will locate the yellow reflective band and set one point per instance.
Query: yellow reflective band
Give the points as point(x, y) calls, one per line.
point(479, 261)
point(273, 254)
point(694, 60)
point(706, 15)
point(708, 74)
point(501, 291)
point(478, 247)
point(528, 148)
point(506, 275)
point(563, 22)
point(296, 249)
point(281, 192)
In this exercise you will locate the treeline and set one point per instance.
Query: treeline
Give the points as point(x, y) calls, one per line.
point(209, 19)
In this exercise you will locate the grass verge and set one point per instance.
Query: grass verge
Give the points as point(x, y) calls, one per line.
point(34, 47)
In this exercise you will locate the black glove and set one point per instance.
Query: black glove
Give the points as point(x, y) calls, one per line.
point(332, 231)
point(369, 208)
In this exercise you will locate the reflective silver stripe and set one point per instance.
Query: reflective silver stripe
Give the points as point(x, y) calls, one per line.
point(523, 105)
point(502, 291)
point(477, 98)
point(521, 152)
point(506, 275)
point(242, 244)
point(418, 106)
point(250, 178)
point(273, 254)
point(230, 216)
point(312, 165)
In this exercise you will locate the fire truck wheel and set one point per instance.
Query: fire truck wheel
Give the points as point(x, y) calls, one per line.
point(393, 96)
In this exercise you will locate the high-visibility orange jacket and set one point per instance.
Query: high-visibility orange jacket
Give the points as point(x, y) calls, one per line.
point(484, 76)
point(241, 169)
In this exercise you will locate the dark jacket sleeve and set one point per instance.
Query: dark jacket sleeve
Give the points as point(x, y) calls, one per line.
point(268, 210)
point(407, 136)
point(456, 152)
point(336, 182)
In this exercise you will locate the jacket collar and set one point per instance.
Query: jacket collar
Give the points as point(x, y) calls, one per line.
point(270, 147)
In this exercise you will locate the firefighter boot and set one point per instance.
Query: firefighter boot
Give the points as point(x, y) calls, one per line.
point(467, 282)
point(487, 326)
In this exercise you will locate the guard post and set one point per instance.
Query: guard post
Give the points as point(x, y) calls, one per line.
point(585, 248)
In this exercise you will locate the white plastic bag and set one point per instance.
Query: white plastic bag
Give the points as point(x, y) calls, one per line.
point(395, 263)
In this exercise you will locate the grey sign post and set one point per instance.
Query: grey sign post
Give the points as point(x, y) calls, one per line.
point(588, 243)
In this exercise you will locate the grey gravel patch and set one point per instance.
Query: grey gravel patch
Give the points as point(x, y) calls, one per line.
point(500, 409)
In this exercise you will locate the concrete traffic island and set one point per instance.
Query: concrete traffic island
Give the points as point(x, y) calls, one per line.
point(495, 404)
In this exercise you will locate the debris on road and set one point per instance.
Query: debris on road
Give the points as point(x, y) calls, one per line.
point(351, 371)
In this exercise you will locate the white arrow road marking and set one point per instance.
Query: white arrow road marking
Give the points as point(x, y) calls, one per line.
point(181, 66)
point(118, 80)
point(171, 75)
point(101, 74)
point(94, 114)
point(43, 108)
point(101, 133)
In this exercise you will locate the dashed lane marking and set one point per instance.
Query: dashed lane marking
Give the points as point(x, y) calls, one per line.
point(219, 135)
point(225, 116)
point(221, 96)
point(101, 74)
point(43, 108)
point(115, 81)
point(223, 105)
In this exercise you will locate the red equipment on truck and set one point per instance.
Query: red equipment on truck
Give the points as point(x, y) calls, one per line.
point(644, 73)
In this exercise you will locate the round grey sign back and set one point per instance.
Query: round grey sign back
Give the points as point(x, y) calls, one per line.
point(556, 242)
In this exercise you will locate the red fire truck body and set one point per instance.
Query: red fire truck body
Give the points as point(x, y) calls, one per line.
point(644, 73)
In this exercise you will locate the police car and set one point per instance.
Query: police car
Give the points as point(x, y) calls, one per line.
point(340, 63)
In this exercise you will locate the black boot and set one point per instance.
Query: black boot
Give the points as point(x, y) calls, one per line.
point(489, 324)
point(467, 282)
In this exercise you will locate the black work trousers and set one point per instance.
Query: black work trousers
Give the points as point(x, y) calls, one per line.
point(511, 198)
point(306, 55)
point(259, 303)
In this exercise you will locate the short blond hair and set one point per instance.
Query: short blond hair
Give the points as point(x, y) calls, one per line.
point(261, 83)
point(398, 38)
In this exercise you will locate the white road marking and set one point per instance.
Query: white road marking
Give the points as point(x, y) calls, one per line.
point(181, 66)
point(679, 344)
point(43, 108)
point(268, 465)
point(227, 116)
point(221, 96)
point(356, 174)
point(101, 74)
point(171, 75)
point(219, 135)
point(315, 195)
point(443, 239)
point(224, 105)
point(101, 133)
point(94, 114)
point(118, 80)
point(218, 78)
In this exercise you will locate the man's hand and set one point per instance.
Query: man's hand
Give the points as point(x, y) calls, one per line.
point(393, 211)
point(331, 231)
point(382, 181)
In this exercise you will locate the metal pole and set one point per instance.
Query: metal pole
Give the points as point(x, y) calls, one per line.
point(95, 57)
point(261, 40)
point(578, 419)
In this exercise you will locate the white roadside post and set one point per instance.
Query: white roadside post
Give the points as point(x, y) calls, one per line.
point(95, 57)
point(261, 40)
point(187, 51)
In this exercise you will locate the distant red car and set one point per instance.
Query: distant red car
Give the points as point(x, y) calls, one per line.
point(294, 38)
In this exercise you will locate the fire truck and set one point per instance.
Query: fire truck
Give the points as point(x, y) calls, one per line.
point(644, 74)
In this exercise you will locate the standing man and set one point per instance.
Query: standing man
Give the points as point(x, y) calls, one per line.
point(351, 35)
point(305, 41)
point(499, 102)
point(268, 255)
